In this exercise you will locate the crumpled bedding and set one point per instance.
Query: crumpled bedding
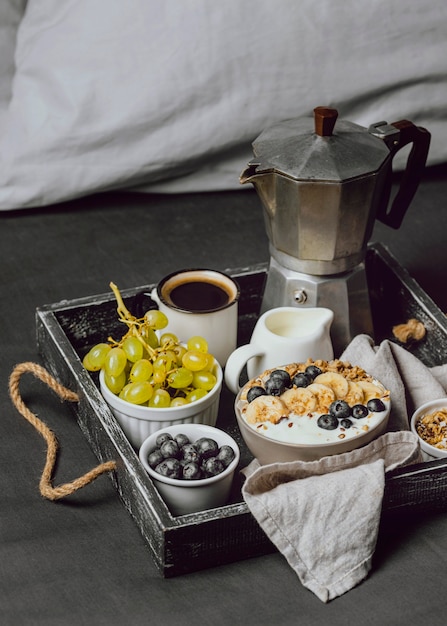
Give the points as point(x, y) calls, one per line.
point(168, 96)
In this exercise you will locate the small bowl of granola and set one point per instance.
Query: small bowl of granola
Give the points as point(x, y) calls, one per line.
point(305, 411)
point(429, 423)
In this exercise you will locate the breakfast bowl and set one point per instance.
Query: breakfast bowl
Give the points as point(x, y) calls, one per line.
point(212, 487)
point(140, 421)
point(306, 411)
point(429, 423)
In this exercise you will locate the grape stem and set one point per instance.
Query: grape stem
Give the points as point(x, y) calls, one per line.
point(130, 320)
point(122, 310)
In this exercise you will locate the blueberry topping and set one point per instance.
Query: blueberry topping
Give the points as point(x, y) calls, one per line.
point(359, 411)
point(375, 405)
point(346, 423)
point(254, 392)
point(170, 468)
point(313, 371)
point(327, 421)
point(207, 447)
point(282, 375)
point(340, 409)
point(302, 379)
point(275, 386)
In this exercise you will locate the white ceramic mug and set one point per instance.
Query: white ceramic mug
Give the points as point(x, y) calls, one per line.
point(281, 336)
point(201, 302)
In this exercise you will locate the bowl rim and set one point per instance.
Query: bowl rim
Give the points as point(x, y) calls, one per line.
point(179, 482)
point(422, 410)
point(308, 446)
point(163, 413)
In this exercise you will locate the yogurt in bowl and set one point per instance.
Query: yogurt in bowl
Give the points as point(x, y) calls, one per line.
point(304, 411)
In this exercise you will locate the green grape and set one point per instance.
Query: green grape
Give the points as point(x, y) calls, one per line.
point(141, 371)
point(169, 358)
point(204, 380)
point(194, 360)
point(88, 364)
point(159, 373)
point(115, 361)
point(196, 394)
point(124, 391)
point(179, 401)
point(168, 338)
point(139, 392)
point(180, 378)
point(156, 319)
point(179, 351)
point(150, 336)
point(115, 383)
point(211, 361)
point(133, 349)
point(197, 343)
point(98, 353)
point(161, 399)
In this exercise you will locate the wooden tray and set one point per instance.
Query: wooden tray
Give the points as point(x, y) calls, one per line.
point(66, 330)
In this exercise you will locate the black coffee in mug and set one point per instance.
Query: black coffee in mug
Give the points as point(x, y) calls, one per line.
point(201, 302)
point(199, 296)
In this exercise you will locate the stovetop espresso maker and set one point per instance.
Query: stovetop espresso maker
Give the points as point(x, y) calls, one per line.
point(322, 184)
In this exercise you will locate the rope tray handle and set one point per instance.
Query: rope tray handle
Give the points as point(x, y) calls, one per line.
point(46, 488)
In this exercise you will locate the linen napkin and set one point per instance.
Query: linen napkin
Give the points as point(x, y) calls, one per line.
point(323, 516)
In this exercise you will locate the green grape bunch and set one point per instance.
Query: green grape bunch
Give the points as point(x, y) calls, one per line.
point(147, 369)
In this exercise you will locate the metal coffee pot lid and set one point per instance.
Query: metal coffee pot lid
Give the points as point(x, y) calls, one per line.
point(318, 148)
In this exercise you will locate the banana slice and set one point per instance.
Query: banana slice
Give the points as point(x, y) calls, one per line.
point(299, 400)
point(265, 409)
point(370, 390)
point(325, 395)
point(355, 394)
point(338, 383)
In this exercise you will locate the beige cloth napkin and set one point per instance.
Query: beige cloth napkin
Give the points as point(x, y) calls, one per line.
point(323, 516)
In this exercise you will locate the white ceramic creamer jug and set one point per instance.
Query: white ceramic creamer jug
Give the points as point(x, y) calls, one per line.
point(282, 335)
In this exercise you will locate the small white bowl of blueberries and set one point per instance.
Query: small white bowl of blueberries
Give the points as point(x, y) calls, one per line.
point(191, 465)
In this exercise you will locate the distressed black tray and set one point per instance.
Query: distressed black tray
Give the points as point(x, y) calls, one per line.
point(66, 330)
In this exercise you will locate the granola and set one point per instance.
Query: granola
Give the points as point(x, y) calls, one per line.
point(432, 428)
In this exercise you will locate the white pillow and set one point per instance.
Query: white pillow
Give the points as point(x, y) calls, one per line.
point(11, 12)
point(169, 95)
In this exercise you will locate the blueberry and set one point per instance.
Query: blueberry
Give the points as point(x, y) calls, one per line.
point(170, 449)
point(226, 455)
point(254, 392)
point(302, 379)
point(170, 468)
point(190, 454)
point(155, 457)
point(207, 447)
point(340, 409)
point(327, 421)
point(346, 423)
point(275, 386)
point(213, 466)
point(313, 371)
point(375, 405)
point(359, 411)
point(181, 439)
point(282, 375)
point(161, 438)
point(191, 471)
